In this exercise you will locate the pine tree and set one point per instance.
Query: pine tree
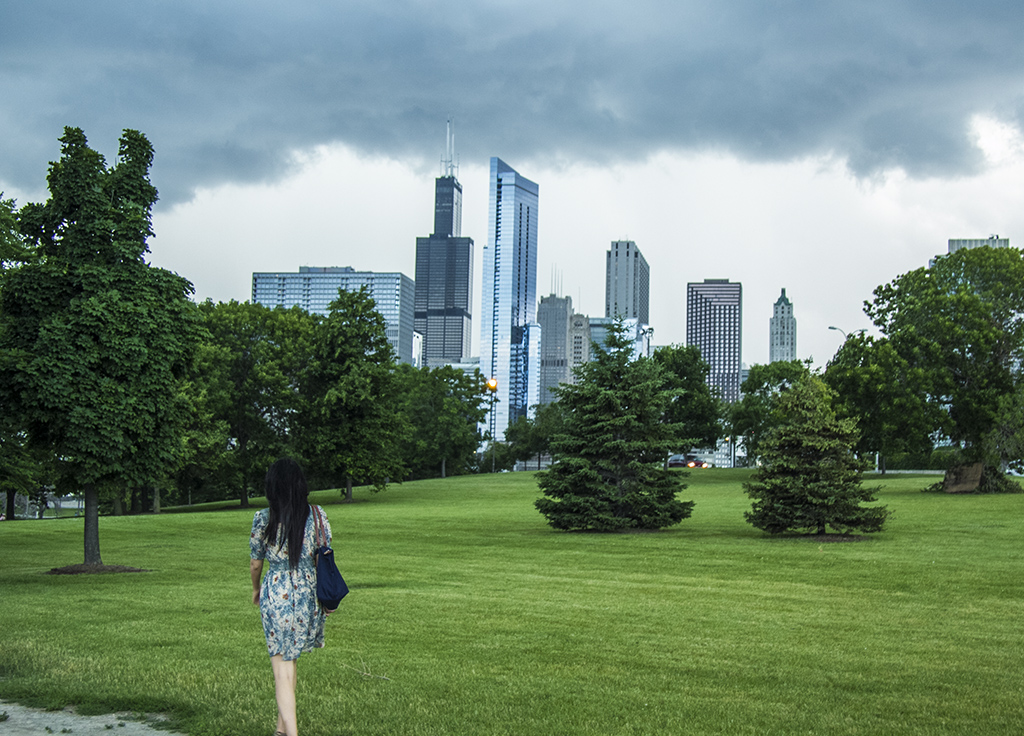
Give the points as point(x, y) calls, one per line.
point(608, 473)
point(810, 479)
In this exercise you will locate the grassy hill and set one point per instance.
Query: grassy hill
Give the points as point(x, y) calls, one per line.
point(468, 615)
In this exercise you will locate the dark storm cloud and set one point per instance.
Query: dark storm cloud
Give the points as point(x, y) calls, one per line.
point(227, 91)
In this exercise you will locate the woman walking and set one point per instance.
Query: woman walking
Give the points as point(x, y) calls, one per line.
point(284, 535)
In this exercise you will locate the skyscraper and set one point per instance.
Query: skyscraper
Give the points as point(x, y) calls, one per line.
point(509, 333)
point(782, 331)
point(555, 318)
point(444, 275)
point(714, 319)
point(314, 288)
point(579, 341)
point(627, 282)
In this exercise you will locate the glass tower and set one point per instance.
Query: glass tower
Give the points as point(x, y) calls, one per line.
point(509, 333)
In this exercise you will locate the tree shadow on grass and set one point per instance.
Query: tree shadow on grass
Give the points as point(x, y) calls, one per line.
point(92, 570)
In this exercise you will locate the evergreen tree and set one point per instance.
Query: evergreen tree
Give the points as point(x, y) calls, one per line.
point(608, 472)
point(810, 479)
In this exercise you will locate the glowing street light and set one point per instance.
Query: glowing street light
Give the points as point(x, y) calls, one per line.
point(492, 389)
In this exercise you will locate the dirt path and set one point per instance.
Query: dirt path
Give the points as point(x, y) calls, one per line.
point(22, 721)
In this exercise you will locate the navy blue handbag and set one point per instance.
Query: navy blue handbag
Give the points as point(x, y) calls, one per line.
point(330, 585)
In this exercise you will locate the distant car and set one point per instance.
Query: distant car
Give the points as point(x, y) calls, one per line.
point(687, 461)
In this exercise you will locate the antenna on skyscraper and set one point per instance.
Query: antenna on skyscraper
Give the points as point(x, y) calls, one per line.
point(448, 166)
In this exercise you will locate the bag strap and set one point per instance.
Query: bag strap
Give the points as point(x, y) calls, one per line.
point(318, 523)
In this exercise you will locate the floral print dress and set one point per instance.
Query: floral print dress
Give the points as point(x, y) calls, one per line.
point(293, 621)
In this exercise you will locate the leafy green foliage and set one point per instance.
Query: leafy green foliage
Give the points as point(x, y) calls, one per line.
point(756, 413)
point(694, 405)
point(961, 324)
point(532, 437)
point(352, 427)
point(14, 250)
point(442, 408)
point(245, 392)
point(93, 340)
point(810, 479)
point(608, 473)
point(885, 394)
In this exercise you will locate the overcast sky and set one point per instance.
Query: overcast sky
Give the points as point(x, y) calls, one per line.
point(820, 147)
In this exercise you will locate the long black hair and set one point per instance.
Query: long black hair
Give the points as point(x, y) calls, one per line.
point(288, 496)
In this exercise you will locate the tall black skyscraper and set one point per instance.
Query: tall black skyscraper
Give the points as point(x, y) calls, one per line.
point(444, 275)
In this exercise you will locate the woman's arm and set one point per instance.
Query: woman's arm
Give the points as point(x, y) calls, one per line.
point(255, 571)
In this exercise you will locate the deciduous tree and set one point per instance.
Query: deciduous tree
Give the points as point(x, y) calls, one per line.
point(755, 413)
point(93, 340)
point(443, 408)
point(248, 375)
point(352, 427)
point(885, 395)
point(961, 322)
point(694, 405)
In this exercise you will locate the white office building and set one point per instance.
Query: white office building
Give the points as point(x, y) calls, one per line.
point(627, 282)
point(782, 331)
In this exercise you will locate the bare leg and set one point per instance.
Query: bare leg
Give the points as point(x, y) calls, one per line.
point(285, 677)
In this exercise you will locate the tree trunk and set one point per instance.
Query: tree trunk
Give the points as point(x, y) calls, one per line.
point(881, 464)
point(10, 505)
point(348, 489)
point(118, 505)
point(156, 500)
point(136, 501)
point(443, 461)
point(92, 525)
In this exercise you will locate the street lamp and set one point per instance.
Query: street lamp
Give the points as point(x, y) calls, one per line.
point(833, 327)
point(492, 389)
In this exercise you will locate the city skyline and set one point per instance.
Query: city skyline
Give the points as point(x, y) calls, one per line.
point(826, 147)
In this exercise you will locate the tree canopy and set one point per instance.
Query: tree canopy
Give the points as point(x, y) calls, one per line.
point(352, 425)
point(442, 408)
point(960, 325)
point(608, 471)
point(756, 413)
point(810, 479)
point(885, 394)
point(93, 340)
point(694, 407)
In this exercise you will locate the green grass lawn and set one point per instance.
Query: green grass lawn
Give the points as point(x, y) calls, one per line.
point(485, 621)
